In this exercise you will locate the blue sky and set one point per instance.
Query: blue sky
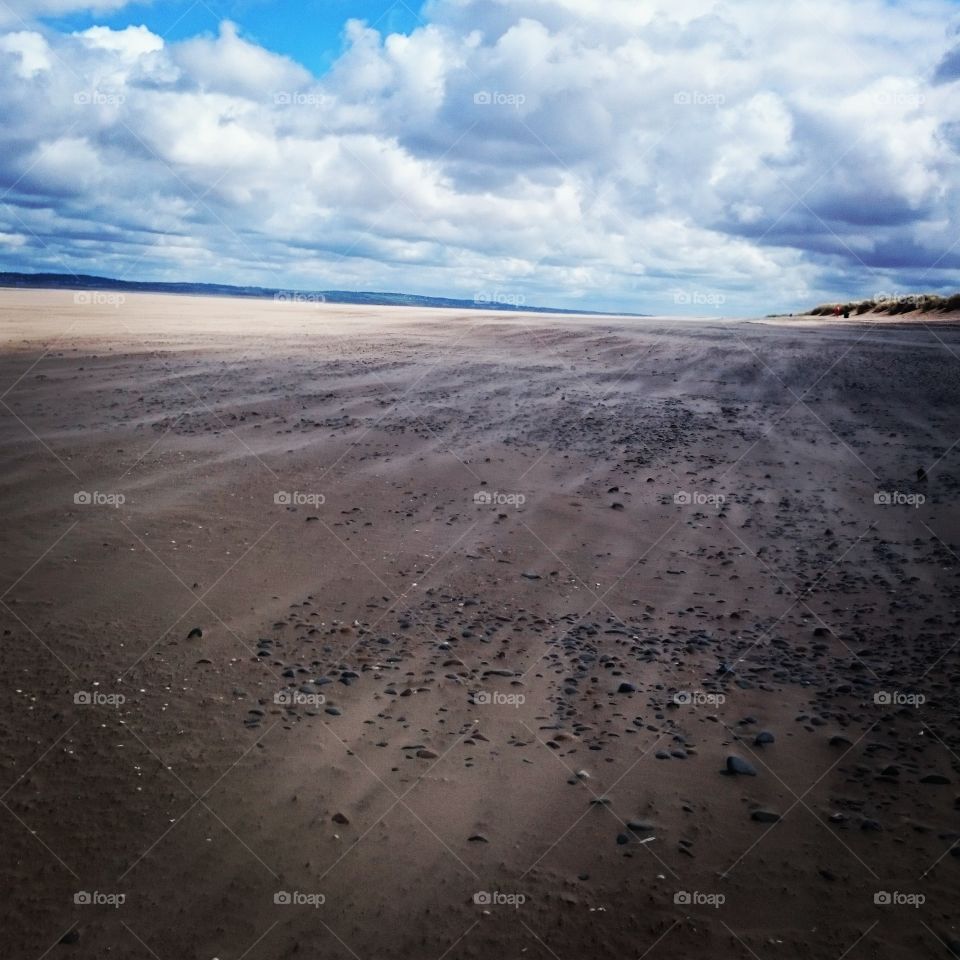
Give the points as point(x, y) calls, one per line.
point(309, 31)
point(717, 157)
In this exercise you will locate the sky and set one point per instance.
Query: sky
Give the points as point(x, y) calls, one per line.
point(653, 156)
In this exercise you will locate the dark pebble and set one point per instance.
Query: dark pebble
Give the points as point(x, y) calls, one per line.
point(735, 765)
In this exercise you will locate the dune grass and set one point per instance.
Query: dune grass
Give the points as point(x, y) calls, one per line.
point(893, 306)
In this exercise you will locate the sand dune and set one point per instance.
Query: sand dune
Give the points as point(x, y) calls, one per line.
point(519, 635)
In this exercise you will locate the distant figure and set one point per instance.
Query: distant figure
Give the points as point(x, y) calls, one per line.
point(836, 311)
point(846, 313)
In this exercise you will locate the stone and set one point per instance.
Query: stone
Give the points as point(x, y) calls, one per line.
point(740, 767)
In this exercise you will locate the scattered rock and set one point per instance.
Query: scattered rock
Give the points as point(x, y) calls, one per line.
point(739, 767)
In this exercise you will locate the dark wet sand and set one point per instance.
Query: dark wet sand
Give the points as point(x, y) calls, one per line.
point(408, 694)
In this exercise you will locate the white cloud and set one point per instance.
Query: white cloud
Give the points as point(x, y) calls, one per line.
point(128, 44)
point(229, 64)
point(32, 50)
point(611, 151)
point(25, 11)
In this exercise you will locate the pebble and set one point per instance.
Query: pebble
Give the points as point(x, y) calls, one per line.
point(738, 766)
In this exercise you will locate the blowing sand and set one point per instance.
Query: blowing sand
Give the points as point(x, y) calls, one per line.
point(385, 633)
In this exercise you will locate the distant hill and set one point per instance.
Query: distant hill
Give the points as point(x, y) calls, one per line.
point(64, 281)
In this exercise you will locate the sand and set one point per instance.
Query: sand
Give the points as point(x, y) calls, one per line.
point(484, 610)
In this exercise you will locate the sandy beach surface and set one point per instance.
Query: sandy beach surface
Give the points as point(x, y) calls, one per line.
point(390, 633)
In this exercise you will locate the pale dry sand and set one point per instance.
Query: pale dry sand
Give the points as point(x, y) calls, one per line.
point(794, 605)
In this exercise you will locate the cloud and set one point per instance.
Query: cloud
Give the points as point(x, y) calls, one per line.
point(127, 45)
point(32, 49)
point(948, 69)
point(229, 64)
point(23, 12)
point(608, 153)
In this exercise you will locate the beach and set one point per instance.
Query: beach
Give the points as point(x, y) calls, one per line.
point(391, 632)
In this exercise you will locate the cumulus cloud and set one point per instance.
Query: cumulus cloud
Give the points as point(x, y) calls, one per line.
point(24, 11)
point(948, 69)
point(31, 48)
point(601, 152)
point(126, 45)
